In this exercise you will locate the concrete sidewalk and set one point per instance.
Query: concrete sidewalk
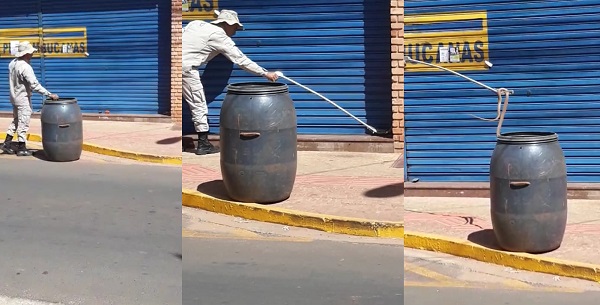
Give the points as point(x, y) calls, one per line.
point(331, 184)
point(153, 139)
point(468, 219)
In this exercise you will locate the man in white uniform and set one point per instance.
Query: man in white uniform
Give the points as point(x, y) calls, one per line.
point(201, 42)
point(22, 83)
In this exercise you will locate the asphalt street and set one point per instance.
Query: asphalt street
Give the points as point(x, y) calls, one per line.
point(237, 262)
point(478, 296)
point(90, 233)
point(437, 278)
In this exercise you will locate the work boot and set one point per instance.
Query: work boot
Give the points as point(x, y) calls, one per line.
point(204, 146)
point(7, 145)
point(22, 150)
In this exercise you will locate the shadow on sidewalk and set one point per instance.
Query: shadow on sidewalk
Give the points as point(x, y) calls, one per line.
point(485, 238)
point(386, 191)
point(41, 155)
point(215, 188)
point(167, 141)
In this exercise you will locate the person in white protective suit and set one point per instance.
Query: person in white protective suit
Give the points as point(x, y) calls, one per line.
point(22, 83)
point(201, 42)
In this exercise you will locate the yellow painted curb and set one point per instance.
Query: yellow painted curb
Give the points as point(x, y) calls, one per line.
point(522, 261)
point(132, 155)
point(119, 153)
point(327, 223)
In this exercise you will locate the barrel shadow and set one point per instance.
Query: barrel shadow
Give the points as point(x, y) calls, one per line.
point(485, 238)
point(169, 140)
point(39, 154)
point(215, 188)
point(386, 191)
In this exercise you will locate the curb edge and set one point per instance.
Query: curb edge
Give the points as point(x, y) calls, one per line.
point(321, 222)
point(119, 153)
point(517, 260)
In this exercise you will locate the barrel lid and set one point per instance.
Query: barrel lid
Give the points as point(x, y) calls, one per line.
point(61, 101)
point(527, 137)
point(257, 88)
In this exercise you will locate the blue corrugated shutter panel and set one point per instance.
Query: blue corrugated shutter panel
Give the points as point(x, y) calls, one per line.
point(544, 50)
point(339, 48)
point(128, 42)
point(14, 15)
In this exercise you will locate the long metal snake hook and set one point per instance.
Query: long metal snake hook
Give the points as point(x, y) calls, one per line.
point(498, 110)
point(501, 93)
point(501, 110)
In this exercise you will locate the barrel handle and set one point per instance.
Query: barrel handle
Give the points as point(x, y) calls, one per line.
point(519, 183)
point(64, 125)
point(249, 135)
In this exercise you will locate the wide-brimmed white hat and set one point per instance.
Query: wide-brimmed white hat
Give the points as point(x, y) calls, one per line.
point(24, 47)
point(228, 16)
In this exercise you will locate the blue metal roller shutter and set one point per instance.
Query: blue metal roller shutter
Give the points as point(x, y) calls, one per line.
point(128, 42)
point(339, 48)
point(14, 16)
point(545, 50)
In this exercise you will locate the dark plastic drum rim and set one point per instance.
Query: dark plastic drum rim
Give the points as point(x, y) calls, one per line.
point(527, 137)
point(61, 101)
point(257, 88)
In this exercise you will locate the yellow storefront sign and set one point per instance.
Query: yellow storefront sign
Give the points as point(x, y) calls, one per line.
point(453, 49)
point(199, 9)
point(51, 42)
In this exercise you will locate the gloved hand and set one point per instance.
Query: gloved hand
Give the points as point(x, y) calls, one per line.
point(272, 76)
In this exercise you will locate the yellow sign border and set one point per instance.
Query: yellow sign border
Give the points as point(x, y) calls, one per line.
point(201, 15)
point(447, 36)
point(37, 37)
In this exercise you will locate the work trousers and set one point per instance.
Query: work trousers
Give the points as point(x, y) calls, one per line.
point(193, 93)
point(20, 123)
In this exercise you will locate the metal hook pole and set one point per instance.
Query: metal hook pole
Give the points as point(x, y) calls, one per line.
point(499, 92)
point(407, 58)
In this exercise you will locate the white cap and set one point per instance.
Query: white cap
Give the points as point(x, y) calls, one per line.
point(228, 16)
point(23, 48)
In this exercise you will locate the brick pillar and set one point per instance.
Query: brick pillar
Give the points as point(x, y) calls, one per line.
point(176, 10)
point(397, 17)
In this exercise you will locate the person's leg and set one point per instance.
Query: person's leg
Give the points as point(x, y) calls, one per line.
point(12, 128)
point(193, 93)
point(24, 117)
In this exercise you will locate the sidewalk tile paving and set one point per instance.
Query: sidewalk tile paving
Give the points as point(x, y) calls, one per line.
point(360, 185)
point(141, 137)
point(462, 217)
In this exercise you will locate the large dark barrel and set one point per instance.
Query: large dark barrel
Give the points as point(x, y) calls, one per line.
point(62, 130)
point(528, 185)
point(258, 138)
